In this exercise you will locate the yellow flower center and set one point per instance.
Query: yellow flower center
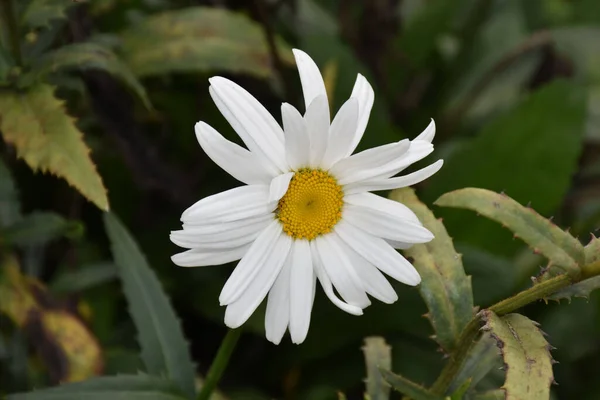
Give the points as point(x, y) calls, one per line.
point(312, 204)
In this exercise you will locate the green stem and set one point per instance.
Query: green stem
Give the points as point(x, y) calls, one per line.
point(219, 364)
point(10, 20)
point(471, 331)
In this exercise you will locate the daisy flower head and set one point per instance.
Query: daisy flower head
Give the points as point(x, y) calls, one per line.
point(305, 213)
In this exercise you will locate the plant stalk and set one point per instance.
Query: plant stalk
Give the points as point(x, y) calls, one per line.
point(7, 11)
point(219, 364)
point(471, 331)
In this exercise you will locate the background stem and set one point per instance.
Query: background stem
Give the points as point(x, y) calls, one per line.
point(12, 29)
point(219, 364)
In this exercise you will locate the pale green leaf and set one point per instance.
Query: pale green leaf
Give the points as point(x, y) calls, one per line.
point(83, 56)
point(84, 278)
point(39, 13)
point(592, 251)
point(165, 350)
point(459, 393)
point(526, 355)
point(10, 209)
point(198, 39)
point(407, 387)
point(35, 122)
point(444, 286)
point(39, 228)
point(378, 354)
point(496, 394)
point(562, 249)
point(120, 387)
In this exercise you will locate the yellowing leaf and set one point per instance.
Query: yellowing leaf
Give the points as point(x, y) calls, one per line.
point(36, 123)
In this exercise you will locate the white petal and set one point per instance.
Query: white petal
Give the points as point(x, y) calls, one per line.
point(326, 283)
point(302, 290)
point(365, 95)
point(230, 205)
point(233, 159)
point(373, 280)
point(279, 185)
point(317, 125)
point(199, 258)
point(213, 236)
point(418, 150)
point(399, 245)
point(341, 133)
point(379, 253)
point(341, 272)
point(369, 163)
point(240, 310)
point(251, 264)
point(395, 183)
point(257, 128)
point(277, 315)
point(391, 207)
point(385, 225)
point(297, 143)
point(310, 77)
point(428, 134)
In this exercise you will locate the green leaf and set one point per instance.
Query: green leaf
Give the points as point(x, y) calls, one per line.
point(82, 56)
point(10, 208)
point(84, 278)
point(538, 141)
point(407, 387)
point(526, 355)
point(592, 251)
point(198, 39)
point(445, 287)
point(378, 354)
point(459, 393)
point(577, 42)
point(39, 13)
point(120, 387)
point(39, 228)
point(482, 358)
point(558, 246)
point(164, 348)
point(496, 394)
point(36, 123)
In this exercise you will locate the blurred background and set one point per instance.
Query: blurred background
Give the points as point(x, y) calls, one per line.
point(514, 88)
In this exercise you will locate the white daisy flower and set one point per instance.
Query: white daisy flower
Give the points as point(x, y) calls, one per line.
point(305, 212)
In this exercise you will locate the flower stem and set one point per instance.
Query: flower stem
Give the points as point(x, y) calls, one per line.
point(470, 332)
point(12, 29)
point(219, 363)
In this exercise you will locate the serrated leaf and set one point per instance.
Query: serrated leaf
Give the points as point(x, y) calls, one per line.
point(592, 251)
point(120, 387)
point(482, 358)
point(545, 129)
point(378, 354)
point(83, 56)
point(558, 246)
point(407, 387)
point(36, 123)
point(579, 289)
point(84, 278)
point(39, 13)
point(445, 287)
point(198, 39)
point(526, 355)
point(165, 350)
point(39, 228)
point(10, 208)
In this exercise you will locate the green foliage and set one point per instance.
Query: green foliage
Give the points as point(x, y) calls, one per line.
point(445, 287)
point(198, 39)
point(83, 56)
point(121, 387)
point(10, 209)
point(165, 350)
point(562, 249)
point(526, 355)
point(39, 228)
point(39, 13)
point(482, 357)
point(407, 387)
point(378, 354)
point(36, 123)
point(84, 278)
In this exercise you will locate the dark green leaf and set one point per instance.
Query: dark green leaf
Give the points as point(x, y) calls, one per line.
point(10, 209)
point(198, 39)
point(526, 355)
point(482, 358)
point(164, 348)
point(120, 387)
point(82, 56)
point(378, 354)
point(407, 387)
point(84, 278)
point(558, 246)
point(497, 394)
point(39, 228)
point(459, 393)
point(444, 286)
point(39, 13)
